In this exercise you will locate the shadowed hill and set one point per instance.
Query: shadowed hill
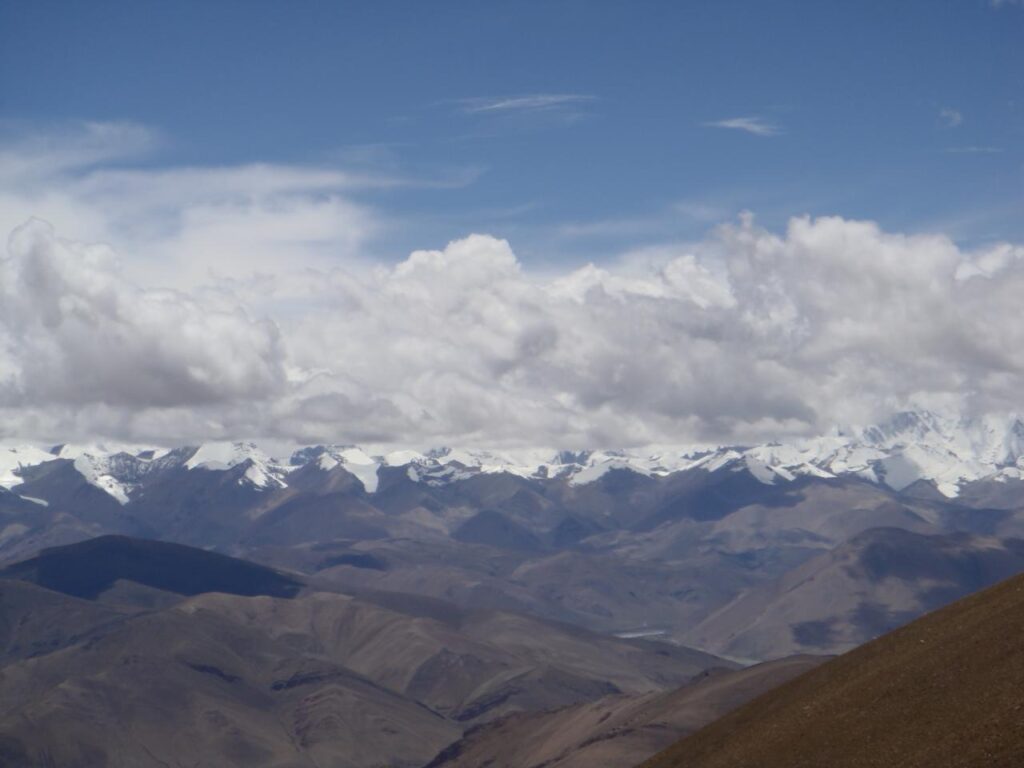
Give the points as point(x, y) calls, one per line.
point(946, 690)
point(89, 568)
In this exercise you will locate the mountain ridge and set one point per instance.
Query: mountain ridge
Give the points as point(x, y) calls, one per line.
point(949, 452)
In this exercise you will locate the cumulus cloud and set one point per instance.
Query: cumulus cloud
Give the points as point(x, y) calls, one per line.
point(79, 333)
point(749, 334)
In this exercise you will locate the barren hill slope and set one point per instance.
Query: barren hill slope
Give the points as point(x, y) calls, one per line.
point(945, 690)
point(242, 665)
point(615, 731)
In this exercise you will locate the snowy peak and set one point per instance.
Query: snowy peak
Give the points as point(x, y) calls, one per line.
point(14, 458)
point(948, 451)
point(352, 458)
point(260, 470)
point(990, 440)
point(911, 446)
point(905, 428)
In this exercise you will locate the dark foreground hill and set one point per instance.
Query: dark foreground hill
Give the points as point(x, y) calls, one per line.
point(89, 568)
point(946, 690)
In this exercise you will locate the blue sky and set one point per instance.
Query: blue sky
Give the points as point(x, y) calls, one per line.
point(561, 223)
point(576, 129)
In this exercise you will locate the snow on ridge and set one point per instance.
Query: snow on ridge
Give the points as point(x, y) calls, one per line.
point(115, 469)
point(14, 458)
point(95, 469)
point(224, 455)
point(263, 471)
point(911, 446)
point(595, 471)
point(351, 457)
point(95, 463)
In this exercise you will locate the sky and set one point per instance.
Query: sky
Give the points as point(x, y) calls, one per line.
point(576, 224)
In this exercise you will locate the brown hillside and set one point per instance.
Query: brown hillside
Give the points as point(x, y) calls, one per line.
point(615, 731)
point(946, 690)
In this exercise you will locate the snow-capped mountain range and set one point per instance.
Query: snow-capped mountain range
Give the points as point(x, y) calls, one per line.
point(912, 446)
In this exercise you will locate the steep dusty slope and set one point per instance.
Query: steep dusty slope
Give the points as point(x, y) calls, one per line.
point(179, 688)
point(35, 621)
point(946, 690)
point(870, 585)
point(469, 665)
point(254, 680)
point(616, 730)
point(316, 680)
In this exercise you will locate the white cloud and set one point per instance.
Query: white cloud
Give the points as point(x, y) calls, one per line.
point(76, 332)
point(31, 154)
point(525, 103)
point(183, 225)
point(744, 335)
point(950, 117)
point(757, 126)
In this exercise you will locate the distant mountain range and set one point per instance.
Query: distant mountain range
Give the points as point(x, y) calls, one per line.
point(948, 453)
point(755, 553)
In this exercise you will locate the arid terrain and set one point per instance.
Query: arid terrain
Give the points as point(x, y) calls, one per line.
point(943, 691)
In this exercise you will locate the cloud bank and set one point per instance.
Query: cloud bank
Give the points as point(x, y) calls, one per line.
point(747, 335)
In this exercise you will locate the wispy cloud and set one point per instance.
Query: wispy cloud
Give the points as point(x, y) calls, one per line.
point(950, 117)
point(533, 102)
point(757, 126)
point(973, 150)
